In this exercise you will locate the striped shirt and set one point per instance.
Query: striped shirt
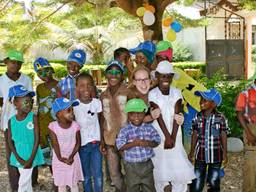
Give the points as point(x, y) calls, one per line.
point(208, 129)
point(68, 87)
point(144, 132)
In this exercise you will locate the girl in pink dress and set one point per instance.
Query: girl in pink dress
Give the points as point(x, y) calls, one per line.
point(65, 137)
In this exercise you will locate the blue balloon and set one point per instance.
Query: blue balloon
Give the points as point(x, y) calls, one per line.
point(176, 26)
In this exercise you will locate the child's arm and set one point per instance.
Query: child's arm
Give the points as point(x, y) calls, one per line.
point(76, 148)
point(122, 142)
point(55, 145)
point(175, 125)
point(36, 143)
point(1, 101)
point(102, 141)
point(168, 143)
point(249, 135)
point(224, 129)
point(139, 143)
point(194, 138)
point(224, 147)
point(154, 114)
point(127, 146)
point(11, 144)
point(58, 92)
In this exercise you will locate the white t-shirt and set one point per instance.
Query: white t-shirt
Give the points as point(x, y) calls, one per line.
point(8, 109)
point(87, 117)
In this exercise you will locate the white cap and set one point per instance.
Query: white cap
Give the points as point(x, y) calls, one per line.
point(165, 67)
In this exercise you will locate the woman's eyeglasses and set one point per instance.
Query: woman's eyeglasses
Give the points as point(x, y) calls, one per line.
point(146, 80)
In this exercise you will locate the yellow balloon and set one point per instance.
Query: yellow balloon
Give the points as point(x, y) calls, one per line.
point(171, 35)
point(167, 22)
point(140, 11)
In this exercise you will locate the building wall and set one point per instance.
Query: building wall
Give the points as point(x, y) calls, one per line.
point(250, 66)
point(194, 39)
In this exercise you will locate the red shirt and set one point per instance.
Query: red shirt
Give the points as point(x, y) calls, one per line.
point(246, 102)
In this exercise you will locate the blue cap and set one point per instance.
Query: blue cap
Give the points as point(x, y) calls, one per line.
point(40, 63)
point(148, 48)
point(78, 56)
point(115, 63)
point(211, 95)
point(19, 91)
point(62, 103)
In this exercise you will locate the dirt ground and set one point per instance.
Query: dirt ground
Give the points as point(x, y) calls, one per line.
point(232, 182)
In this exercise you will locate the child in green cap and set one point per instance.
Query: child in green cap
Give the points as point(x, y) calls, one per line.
point(136, 140)
point(11, 77)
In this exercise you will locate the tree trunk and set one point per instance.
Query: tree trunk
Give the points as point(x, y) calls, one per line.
point(153, 32)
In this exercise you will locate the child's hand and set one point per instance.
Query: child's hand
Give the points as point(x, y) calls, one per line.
point(21, 161)
point(168, 143)
point(103, 149)
point(179, 118)
point(251, 139)
point(155, 113)
point(63, 160)
point(225, 160)
point(191, 157)
point(70, 161)
point(28, 164)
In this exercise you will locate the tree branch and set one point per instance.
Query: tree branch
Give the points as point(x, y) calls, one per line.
point(48, 16)
point(4, 7)
point(165, 3)
point(129, 6)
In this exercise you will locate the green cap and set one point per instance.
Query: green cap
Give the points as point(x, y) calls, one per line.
point(135, 105)
point(15, 55)
point(163, 46)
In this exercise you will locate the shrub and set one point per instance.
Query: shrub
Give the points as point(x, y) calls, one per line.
point(254, 53)
point(229, 91)
point(191, 65)
point(180, 52)
point(60, 71)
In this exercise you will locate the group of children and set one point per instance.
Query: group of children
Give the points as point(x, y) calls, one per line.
point(139, 123)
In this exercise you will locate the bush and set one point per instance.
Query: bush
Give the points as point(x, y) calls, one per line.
point(191, 65)
point(180, 52)
point(254, 53)
point(229, 91)
point(61, 71)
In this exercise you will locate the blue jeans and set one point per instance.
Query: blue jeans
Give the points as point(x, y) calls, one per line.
point(91, 160)
point(211, 175)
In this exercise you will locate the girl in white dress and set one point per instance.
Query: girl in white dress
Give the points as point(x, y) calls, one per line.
point(170, 161)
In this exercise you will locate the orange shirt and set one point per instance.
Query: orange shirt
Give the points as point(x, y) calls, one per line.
point(246, 102)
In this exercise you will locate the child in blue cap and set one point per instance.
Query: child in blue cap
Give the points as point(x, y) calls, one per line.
point(144, 53)
point(46, 93)
point(23, 136)
point(209, 141)
point(65, 138)
point(67, 86)
point(113, 101)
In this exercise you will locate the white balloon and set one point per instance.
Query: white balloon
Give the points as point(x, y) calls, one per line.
point(149, 18)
